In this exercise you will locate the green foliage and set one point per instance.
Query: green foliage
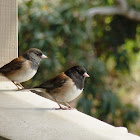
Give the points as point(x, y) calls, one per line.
point(117, 30)
point(58, 28)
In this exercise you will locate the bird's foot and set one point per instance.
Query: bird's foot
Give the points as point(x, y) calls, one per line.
point(65, 108)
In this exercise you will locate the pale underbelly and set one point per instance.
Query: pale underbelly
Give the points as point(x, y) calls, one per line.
point(22, 76)
point(68, 95)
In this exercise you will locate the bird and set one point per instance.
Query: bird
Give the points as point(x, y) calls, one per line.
point(24, 67)
point(65, 87)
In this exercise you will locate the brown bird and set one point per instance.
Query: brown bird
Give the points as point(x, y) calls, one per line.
point(24, 67)
point(66, 86)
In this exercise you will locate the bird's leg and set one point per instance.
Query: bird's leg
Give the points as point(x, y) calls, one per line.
point(17, 85)
point(68, 105)
point(21, 85)
point(60, 107)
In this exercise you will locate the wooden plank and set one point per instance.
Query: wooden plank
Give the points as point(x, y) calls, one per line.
point(8, 31)
point(27, 116)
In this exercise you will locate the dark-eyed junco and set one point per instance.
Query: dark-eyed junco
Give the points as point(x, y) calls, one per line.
point(24, 67)
point(66, 86)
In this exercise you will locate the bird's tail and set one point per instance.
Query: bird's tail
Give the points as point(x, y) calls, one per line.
point(24, 89)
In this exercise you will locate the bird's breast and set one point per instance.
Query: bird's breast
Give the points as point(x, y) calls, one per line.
point(23, 74)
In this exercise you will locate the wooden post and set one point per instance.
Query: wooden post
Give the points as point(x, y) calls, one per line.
point(8, 31)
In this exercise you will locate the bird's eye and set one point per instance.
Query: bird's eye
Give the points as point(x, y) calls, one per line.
point(38, 54)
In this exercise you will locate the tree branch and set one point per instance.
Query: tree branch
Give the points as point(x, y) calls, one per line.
point(102, 11)
point(122, 4)
point(121, 8)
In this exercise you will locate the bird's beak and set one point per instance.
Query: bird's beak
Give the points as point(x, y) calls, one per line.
point(86, 75)
point(44, 56)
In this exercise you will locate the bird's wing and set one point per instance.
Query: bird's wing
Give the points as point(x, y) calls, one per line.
point(13, 65)
point(54, 83)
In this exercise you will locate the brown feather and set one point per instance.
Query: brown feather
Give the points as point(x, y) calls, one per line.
point(12, 66)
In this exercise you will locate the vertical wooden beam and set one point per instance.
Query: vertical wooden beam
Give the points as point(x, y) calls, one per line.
point(8, 30)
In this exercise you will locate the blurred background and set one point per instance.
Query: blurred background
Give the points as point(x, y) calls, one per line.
point(101, 35)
